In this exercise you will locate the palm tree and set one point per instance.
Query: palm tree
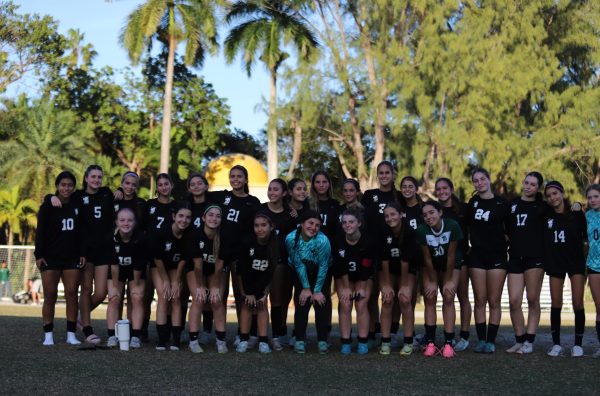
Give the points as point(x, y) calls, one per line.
point(46, 141)
point(78, 54)
point(15, 212)
point(265, 27)
point(172, 22)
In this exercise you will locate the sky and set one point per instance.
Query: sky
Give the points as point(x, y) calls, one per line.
point(101, 22)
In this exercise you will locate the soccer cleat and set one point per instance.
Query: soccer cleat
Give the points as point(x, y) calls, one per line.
point(222, 346)
point(93, 339)
point(479, 347)
point(323, 347)
point(596, 354)
point(363, 348)
point(489, 347)
point(242, 347)
point(292, 342)
point(346, 349)
point(252, 342)
point(174, 348)
point(203, 338)
point(515, 348)
point(160, 348)
point(385, 348)
point(461, 345)
point(526, 349)
point(276, 344)
point(263, 347)
point(299, 347)
point(135, 343)
point(555, 351)
point(577, 351)
point(48, 339)
point(112, 342)
point(195, 347)
point(72, 339)
point(406, 350)
point(430, 350)
point(448, 351)
point(236, 341)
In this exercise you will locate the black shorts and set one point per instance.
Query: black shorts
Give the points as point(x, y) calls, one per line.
point(53, 264)
point(592, 272)
point(570, 270)
point(100, 254)
point(442, 268)
point(207, 268)
point(518, 265)
point(487, 260)
point(396, 268)
point(126, 273)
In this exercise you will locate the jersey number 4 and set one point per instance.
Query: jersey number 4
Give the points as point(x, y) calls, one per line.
point(481, 214)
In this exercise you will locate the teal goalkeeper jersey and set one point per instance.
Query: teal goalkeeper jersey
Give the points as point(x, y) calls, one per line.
point(593, 231)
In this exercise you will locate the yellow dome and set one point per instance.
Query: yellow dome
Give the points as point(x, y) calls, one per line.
point(217, 172)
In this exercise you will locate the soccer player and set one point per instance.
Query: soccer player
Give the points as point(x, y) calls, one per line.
point(129, 185)
point(321, 199)
point(593, 259)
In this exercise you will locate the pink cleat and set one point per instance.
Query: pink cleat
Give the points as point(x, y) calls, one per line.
point(448, 351)
point(430, 350)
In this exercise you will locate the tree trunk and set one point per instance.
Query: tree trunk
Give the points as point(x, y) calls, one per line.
point(165, 138)
point(11, 242)
point(297, 145)
point(272, 129)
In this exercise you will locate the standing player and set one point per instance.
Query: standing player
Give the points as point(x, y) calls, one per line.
point(258, 256)
point(298, 193)
point(564, 237)
point(59, 255)
point(129, 268)
point(456, 210)
point(204, 277)
point(593, 259)
point(397, 279)
point(321, 199)
point(525, 267)
point(129, 185)
point(309, 254)
point(353, 256)
point(170, 255)
point(487, 259)
point(439, 238)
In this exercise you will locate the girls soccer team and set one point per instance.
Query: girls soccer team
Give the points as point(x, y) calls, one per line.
point(384, 243)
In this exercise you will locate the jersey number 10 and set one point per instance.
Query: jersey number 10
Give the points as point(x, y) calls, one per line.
point(68, 224)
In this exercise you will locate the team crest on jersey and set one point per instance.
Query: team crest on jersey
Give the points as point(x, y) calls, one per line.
point(117, 248)
point(276, 232)
point(168, 246)
point(550, 223)
point(116, 207)
point(86, 200)
point(342, 252)
point(513, 209)
point(152, 209)
point(251, 252)
point(227, 200)
point(389, 240)
point(201, 244)
point(375, 198)
point(76, 211)
point(475, 204)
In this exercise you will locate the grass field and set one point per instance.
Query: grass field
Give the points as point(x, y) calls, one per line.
point(27, 367)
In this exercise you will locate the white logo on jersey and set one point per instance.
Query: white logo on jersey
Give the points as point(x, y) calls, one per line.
point(86, 200)
point(513, 209)
point(375, 198)
point(76, 211)
point(152, 209)
point(117, 248)
point(276, 232)
point(389, 240)
point(227, 200)
point(168, 246)
point(342, 252)
point(251, 252)
point(550, 223)
point(116, 207)
point(201, 244)
point(435, 241)
point(475, 204)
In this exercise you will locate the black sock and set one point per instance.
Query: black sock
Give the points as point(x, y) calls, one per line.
point(530, 338)
point(71, 326)
point(430, 333)
point(276, 319)
point(264, 339)
point(395, 327)
point(176, 330)
point(207, 321)
point(163, 334)
point(520, 338)
point(244, 337)
point(362, 340)
point(555, 324)
point(449, 337)
point(598, 329)
point(254, 326)
point(48, 327)
point(386, 339)
point(408, 340)
point(579, 326)
point(221, 335)
point(465, 334)
point(377, 327)
point(371, 335)
point(111, 332)
point(145, 324)
point(194, 335)
point(492, 332)
point(88, 331)
point(136, 333)
point(346, 341)
point(481, 331)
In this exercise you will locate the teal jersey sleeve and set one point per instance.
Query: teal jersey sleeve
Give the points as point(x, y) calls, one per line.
point(323, 259)
point(593, 236)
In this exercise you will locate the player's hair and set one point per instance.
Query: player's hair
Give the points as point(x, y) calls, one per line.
point(87, 172)
point(245, 172)
point(435, 204)
point(595, 187)
point(454, 200)
point(313, 198)
point(354, 212)
point(65, 175)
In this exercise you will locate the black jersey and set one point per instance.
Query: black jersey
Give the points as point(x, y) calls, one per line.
point(414, 217)
point(283, 221)
point(202, 247)
point(459, 214)
point(487, 224)
point(96, 214)
point(374, 201)
point(395, 249)
point(169, 249)
point(355, 260)
point(138, 206)
point(58, 233)
point(197, 212)
point(254, 266)
point(130, 254)
point(238, 213)
point(564, 236)
point(526, 229)
point(158, 216)
point(328, 210)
